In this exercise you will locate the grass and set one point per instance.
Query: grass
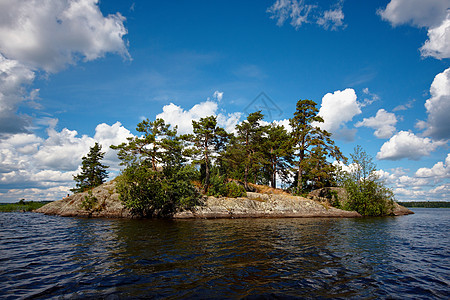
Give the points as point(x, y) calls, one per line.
point(22, 206)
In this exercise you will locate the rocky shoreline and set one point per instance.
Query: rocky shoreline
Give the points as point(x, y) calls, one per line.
point(255, 205)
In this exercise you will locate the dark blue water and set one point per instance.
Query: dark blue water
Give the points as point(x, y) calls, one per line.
point(395, 257)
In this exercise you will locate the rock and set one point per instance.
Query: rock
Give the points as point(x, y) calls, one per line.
point(108, 204)
point(399, 210)
point(258, 205)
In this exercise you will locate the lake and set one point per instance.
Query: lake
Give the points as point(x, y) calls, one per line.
point(391, 257)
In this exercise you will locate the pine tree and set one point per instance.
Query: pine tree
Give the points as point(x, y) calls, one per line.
point(93, 172)
point(150, 147)
point(208, 139)
point(306, 136)
point(250, 136)
point(278, 152)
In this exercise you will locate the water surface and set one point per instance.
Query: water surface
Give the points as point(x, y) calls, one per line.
point(393, 257)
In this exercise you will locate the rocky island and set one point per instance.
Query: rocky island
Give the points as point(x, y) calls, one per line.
point(260, 204)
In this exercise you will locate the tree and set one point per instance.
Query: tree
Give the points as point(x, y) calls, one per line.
point(155, 182)
point(149, 193)
point(93, 172)
point(250, 136)
point(306, 136)
point(208, 139)
point(367, 194)
point(277, 152)
point(151, 146)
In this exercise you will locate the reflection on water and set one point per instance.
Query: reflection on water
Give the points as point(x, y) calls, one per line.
point(49, 257)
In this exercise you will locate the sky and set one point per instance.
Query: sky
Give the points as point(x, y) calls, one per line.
point(76, 72)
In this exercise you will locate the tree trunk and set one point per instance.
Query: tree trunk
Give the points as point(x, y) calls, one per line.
point(273, 179)
point(205, 188)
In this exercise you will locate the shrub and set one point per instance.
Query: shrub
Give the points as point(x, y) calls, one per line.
point(89, 202)
point(149, 193)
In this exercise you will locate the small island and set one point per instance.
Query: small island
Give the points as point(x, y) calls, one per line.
point(215, 174)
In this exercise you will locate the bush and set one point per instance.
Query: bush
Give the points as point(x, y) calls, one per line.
point(89, 201)
point(367, 194)
point(149, 193)
point(219, 187)
point(235, 190)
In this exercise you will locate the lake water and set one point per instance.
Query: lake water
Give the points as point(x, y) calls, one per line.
point(393, 257)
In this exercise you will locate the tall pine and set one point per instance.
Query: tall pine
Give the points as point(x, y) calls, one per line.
point(308, 138)
point(208, 139)
point(93, 172)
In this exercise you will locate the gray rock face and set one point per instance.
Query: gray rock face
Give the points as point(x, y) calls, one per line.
point(262, 205)
point(108, 204)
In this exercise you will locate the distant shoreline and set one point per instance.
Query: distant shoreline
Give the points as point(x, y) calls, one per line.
point(426, 204)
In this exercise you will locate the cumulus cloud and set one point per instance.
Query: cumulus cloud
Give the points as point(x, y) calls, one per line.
point(50, 34)
point(438, 171)
point(383, 123)
point(438, 108)
point(438, 43)
point(431, 14)
point(299, 13)
point(14, 80)
point(338, 108)
point(407, 145)
point(426, 183)
point(177, 116)
point(32, 162)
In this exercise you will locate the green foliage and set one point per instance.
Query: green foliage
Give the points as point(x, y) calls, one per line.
point(312, 145)
point(278, 153)
point(208, 140)
point(153, 147)
point(149, 193)
point(248, 144)
point(89, 202)
point(221, 187)
point(155, 182)
point(93, 172)
point(235, 190)
point(367, 194)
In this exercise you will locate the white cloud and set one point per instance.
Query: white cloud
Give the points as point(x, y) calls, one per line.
point(32, 162)
point(332, 19)
point(299, 13)
point(439, 170)
point(50, 34)
point(426, 184)
point(405, 106)
point(438, 43)
point(218, 96)
point(338, 108)
point(383, 123)
point(407, 145)
point(371, 97)
point(431, 14)
point(416, 12)
point(177, 116)
point(14, 78)
point(438, 107)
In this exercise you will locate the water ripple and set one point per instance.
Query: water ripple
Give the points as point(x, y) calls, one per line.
point(46, 257)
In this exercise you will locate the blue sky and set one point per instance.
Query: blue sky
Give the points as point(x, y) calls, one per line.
point(76, 72)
